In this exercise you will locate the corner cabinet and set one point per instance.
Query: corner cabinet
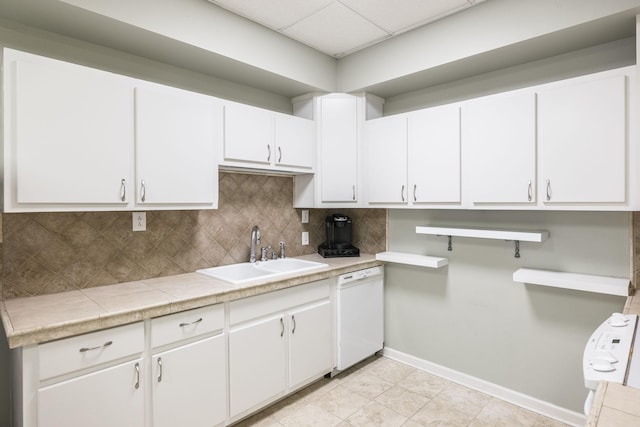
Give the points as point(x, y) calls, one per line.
point(72, 133)
point(339, 148)
point(278, 342)
point(338, 179)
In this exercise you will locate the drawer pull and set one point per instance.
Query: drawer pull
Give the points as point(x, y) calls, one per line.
point(182, 325)
point(85, 349)
point(137, 384)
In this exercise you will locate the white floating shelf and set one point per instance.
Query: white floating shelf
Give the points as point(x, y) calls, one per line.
point(580, 282)
point(486, 233)
point(412, 259)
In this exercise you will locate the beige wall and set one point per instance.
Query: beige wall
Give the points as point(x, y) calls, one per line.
point(46, 253)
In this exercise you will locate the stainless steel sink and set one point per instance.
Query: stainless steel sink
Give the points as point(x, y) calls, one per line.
point(247, 272)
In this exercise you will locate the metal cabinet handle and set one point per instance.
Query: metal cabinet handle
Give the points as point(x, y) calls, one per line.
point(353, 189)
point(279, 154)
point(530, 192)
point(85, 349)
point(160, 369)
point(182, 325)
point(137, 384)
point(548, 190)
point(415, 187)
point(282, 327)
point(402, 193)
point(123, 190)
point(268, 153)
point(143, 191)
point(293, 319)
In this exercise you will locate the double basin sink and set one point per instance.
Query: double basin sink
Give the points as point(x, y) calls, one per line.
point(247, 272)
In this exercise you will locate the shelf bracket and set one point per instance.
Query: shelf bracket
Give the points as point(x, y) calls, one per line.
point(450, 246)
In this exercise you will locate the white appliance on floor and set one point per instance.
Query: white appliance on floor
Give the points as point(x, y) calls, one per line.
point(360, 311)
point(606, 355)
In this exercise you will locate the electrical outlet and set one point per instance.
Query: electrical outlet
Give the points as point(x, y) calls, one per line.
point(139, 221)
point(305, 238)
point(305, 216)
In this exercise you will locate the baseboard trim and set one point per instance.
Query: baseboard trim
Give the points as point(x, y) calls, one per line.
point(545, 408)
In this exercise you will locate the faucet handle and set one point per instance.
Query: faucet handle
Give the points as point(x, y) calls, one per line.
point(263, 253)
point(282, 254)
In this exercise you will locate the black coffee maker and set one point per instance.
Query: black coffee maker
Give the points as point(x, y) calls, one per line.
point(338, 244)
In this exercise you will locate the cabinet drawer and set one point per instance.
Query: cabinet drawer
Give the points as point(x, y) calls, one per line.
point(186, 324)
point(88, 350)
point(262, 305)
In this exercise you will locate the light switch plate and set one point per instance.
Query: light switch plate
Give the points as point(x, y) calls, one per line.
point(139, 221)
point(305, 216)
point(305, 238)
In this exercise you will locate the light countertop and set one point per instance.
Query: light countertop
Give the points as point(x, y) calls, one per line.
point(615, 405)
point(38, 319)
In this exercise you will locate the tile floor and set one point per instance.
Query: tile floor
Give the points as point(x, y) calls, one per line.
point(383, 392)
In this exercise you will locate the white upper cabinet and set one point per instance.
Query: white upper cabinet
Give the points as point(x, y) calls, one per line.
point(294, 142)
point(386, 159)
point(68, 135)
point(261, 139)
point(499, 146)
point(73, 132)
point(339, 146)
point(248, 134)
point(582, 132)
point(414, 159)
point(433, 160)
point(177, 136)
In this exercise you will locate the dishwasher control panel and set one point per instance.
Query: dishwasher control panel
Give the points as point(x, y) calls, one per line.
point(606, 354)
point(359, 275)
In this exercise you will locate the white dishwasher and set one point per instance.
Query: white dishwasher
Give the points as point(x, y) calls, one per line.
point(360, 311)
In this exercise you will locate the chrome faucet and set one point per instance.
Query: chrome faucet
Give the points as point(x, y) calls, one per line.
point(255, 240)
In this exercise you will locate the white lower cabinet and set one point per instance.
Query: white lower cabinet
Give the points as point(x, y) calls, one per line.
point(188, 368)
point(309, 335)
point(278, 342)
point(189, 384)
point(204, 367)
point(256, 364)
point(108, 397)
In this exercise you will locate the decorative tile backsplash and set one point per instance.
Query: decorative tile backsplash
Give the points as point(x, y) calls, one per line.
point(46, 253)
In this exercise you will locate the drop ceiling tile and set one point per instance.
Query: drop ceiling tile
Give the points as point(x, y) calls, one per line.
point(336, 30)
point(275, 14)
point(401, 15)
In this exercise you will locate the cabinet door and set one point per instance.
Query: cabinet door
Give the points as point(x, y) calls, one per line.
point(70, 134)
point(310, 343)
point(189, 385)
point(499, 145)
point(177, 135)
point(582, 134)
point(386, 159)
point(294, 142)
point(256, 364)
point(434, 155)
point(248, 134)
point(338, 149)
point(105, 398)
